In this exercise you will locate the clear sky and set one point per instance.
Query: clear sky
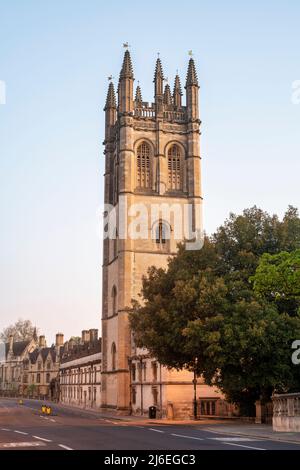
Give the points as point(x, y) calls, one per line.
point(55, 57)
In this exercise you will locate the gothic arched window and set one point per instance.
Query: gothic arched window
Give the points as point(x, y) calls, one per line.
point(162, 233)
point(114, 300)
point(174, 168)
point(143, 166)
point(113, 356)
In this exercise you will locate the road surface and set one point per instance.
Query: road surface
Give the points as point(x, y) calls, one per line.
point(24, 427)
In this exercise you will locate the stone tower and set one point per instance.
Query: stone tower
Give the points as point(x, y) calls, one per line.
point(152, 160)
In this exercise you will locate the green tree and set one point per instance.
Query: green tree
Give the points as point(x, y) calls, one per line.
point(277, 279)
point(247, 352)
point(243, 239)
point(202, 313)
point(171, 298)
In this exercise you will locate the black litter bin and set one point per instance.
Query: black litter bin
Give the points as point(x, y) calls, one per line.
point(152, 412)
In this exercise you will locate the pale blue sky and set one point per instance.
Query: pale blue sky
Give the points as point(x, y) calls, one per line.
point(55, 58)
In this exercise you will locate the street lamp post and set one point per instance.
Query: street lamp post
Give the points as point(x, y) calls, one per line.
point(195, 389)
point(195, 395)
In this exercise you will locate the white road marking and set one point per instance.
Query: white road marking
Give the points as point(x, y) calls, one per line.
point(64, 447)
point(21, 432)
point(42, 439)
point(12, 445)
point(245, 447)
point(208, 430)
point(156, 430)
point(188, 437)
point(52, 420)
point(4, 429)
point(233, 439)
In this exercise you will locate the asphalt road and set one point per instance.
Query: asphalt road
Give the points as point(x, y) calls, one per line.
point(23, 427)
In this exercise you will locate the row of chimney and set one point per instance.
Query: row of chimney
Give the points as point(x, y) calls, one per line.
point(86, 337)
point(59, 341)
point(89, 335)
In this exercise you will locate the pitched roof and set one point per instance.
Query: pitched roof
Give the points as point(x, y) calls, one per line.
point(33, 356)
point(18, 347)
point(45, 352)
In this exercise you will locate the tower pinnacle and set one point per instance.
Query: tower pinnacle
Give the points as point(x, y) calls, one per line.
point(191, 78)
point(167, 95)
point(125, 88)
point(111, 97)
point(177, 92)
point(158, 80)
point(127, 69)
point(138, 95)
point(158, 71)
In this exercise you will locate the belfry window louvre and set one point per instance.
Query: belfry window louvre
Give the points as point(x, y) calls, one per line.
point(174, 168)
point(143, 166)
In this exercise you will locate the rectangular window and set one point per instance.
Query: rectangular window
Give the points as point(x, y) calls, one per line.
point(140, 371)
point(154, 371)
point(155, 396)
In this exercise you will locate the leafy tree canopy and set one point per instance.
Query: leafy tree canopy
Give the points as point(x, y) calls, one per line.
point(277, 279)
point(202, 313)
point(22, 330)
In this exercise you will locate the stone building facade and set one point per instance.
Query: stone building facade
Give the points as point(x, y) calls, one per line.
point(40, 370)
point(152, 165)
point(30, 368)
point(80, 372)
point(11, 364)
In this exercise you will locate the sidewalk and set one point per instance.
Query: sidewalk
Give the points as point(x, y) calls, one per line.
point(261, 431)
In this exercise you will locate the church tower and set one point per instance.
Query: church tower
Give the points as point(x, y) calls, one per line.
point(152, 170)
